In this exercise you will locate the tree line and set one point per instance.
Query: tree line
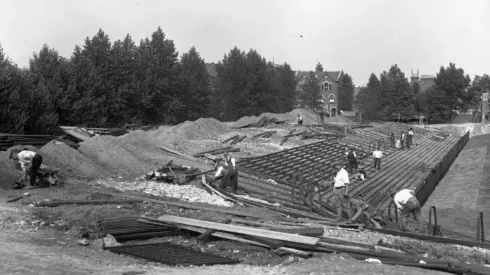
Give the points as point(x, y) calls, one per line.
point(391, 96)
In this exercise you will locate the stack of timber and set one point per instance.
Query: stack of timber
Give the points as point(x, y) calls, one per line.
point(177, 174)
point(234, 139)
point(129, 229)
point(9, 140)
point(303, 241)
point(264, 121)
point(218, 151)
point(267, 134)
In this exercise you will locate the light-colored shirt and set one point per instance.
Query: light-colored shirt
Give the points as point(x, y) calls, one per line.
point(25, 158)
point(377, 154)
point(410, 133)
point(341, 179)
point(402, 197)
point(218, 173)
point(232, 162)
point(403, 137)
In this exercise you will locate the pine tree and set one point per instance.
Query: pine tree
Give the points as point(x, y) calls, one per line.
point(346, 93)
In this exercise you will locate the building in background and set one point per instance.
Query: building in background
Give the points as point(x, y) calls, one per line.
point(425, 81)
point(328, 82)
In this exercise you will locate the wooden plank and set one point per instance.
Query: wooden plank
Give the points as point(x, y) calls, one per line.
point(240, 230)
point(83, 202)
point(177, 153)
point(204, 236)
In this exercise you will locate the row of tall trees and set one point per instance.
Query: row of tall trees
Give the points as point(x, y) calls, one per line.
point(391, 96)
point(105, 84)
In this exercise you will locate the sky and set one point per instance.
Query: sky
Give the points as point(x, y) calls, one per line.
point(359, 37)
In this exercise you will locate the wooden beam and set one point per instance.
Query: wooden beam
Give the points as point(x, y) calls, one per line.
point(240, 230)
point(84, 202)
point(177, 153)
point(204, 236)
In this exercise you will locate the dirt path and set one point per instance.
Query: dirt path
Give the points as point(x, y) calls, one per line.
point(463, 191)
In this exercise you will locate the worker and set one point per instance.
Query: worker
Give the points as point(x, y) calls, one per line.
point(30, 163)
point(352, 160)
point(361, 174)
point(407, 204)
point(228, 173)
point(377, 155)
point(341, 191)
point(392, 140)
point(300, 120)
point(402, 140)
point(410, 138)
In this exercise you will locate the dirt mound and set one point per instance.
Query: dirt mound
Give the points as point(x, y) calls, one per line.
point(8, 173)
point(116, 156)
point(70, 161)
point(290, 117)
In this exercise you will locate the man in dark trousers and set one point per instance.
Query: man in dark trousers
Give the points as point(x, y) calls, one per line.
point(410, 138)
point(392, 140)
point(341, 191)
point(352, 160)
point(228, 173)
point(377, 155)
point(300, 120)
point(30, 163)
point(402, 140)
point(407, 204)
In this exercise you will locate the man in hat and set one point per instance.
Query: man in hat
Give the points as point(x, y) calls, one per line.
point(407, 204)
point(341, 191)
point(227, 172)
point(30, 163)
point(409, 138)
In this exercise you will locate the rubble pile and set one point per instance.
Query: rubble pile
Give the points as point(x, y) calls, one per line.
point(182, 192)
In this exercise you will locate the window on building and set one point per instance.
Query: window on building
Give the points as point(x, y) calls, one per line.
point(331, 98)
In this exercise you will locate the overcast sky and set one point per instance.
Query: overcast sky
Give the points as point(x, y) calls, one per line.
point(357, 36)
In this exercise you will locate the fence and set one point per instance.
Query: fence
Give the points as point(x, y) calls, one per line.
point(432, 180)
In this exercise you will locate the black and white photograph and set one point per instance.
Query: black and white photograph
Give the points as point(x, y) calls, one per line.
point(217, 137)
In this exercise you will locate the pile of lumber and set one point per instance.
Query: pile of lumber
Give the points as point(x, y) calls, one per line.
point(267, 134)
point(9, 140)
point(303, 241)
point(176, 174)
point(234, 139)
point(218, 151)
point(264, 121)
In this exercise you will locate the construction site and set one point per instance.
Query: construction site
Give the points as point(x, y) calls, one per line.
point(142, 200)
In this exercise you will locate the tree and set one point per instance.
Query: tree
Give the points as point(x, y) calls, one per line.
point(480, 85)
point(454, 84)
point(437, 110)
point(310, 94)
point(396, 94)
point(368, 100)
point(346, 93)
point(194, 81)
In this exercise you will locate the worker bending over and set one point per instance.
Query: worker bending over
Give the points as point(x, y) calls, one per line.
point(407, 204)
point(227, 172)
point(341, 191)
point(30, 163)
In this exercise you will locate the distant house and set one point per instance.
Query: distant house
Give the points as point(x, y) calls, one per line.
point(425, 81)
point(328, 83)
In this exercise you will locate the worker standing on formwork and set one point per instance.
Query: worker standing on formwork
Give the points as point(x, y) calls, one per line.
point(341, 191)
point(30, 163)
point(228, 173)
point(300, 120)
point(377, 155)
point(410, 138)
point(402, 140)
point(352, 160)
point(407, 204)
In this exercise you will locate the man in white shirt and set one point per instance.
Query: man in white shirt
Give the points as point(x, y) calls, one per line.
point(30, 163)
point(228, 173)
point(377, 155)
point(300, 120)
point(341, 191)
point(407, 204)
point(402, 140)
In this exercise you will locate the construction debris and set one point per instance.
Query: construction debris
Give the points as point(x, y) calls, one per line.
point(264, 121)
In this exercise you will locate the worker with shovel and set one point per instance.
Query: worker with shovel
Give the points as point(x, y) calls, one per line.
point(228, 173)
point(407, 204)
point(30, 163)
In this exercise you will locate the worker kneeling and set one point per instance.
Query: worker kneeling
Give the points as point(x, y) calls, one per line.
point(341, 192)
point(407, 204)
point(227, 172)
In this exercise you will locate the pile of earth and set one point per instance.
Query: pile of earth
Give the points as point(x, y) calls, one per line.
point(309, 117)
point(71, 162)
